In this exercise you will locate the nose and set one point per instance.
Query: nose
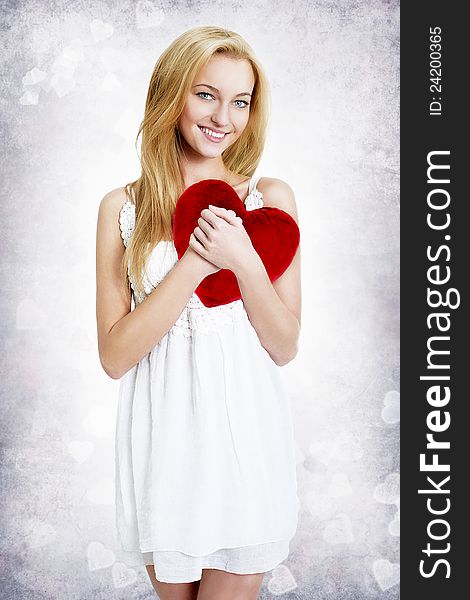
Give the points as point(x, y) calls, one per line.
point(220, 116)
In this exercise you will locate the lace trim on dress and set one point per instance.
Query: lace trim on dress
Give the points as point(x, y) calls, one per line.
point(127, 221)
point(207, 319)
point(254, 200)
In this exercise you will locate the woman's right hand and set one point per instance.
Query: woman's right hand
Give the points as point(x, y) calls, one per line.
point(200, 264)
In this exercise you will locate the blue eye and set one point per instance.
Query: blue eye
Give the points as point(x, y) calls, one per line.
point(207, 94)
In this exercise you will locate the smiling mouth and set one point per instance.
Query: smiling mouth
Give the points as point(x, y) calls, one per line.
point(211, 134)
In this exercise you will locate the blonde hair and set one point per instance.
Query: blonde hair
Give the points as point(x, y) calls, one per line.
point(160, 184)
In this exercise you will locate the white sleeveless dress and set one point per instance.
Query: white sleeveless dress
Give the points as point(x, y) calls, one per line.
point(205, 458)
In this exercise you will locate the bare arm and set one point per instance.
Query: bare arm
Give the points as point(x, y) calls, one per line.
point(125, 336)
point(274, 309)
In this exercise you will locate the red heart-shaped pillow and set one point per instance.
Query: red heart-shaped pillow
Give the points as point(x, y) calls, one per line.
point(273, 232)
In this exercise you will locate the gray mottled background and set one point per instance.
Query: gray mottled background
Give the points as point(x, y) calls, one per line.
point(74, 80)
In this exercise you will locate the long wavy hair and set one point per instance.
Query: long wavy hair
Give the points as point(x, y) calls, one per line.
point(160, 184)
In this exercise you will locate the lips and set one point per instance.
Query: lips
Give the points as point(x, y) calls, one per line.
point(212, 129)
point(211, 138)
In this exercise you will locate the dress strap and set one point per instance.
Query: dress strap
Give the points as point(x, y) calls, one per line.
point(253, 182)
point(255, 197)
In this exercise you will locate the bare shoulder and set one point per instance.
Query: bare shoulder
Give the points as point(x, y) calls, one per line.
point(113, 201)
point(109, 211)
point(278, 194)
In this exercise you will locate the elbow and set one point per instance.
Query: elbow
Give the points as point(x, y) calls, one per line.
point(114, 374)
point(281, 362)
point(284, 359)
point(111, 371)
point(111, 359)
point(110, 368)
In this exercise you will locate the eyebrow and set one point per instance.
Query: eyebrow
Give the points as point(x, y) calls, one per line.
point(216, 90)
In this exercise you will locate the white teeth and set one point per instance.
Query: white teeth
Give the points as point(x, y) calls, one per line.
point(212, 133)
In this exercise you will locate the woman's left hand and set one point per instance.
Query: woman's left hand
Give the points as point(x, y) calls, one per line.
point(221, 239)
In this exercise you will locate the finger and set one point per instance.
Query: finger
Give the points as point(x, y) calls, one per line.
point(200, 236)
point(234, 216)
point(196, 244)
point(220, 209)
point(210, 216)
point(223, 213)
point(205, 226)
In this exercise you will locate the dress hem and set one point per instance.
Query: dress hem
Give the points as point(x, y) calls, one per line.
point(175, 574)
point(151, 547)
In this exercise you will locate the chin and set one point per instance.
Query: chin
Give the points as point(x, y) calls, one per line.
point(211, 152)
point(216, 154)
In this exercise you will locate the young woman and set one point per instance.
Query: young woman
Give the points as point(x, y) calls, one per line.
point(206, 489)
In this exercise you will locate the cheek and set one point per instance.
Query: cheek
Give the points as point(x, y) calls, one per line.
point(241, 121)
point(182, 119)
point(189, 112)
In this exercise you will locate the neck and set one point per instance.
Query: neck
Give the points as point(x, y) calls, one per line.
point(195, 167)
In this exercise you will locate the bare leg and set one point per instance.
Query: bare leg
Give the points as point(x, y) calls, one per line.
point(173, 591)
point(221, 585)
